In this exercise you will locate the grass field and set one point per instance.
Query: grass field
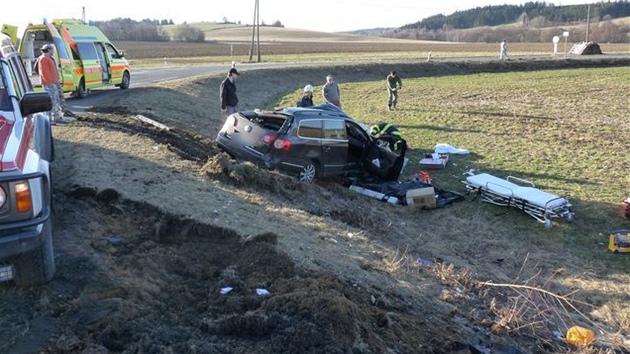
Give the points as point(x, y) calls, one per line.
point(225, 51)
point(565, 130)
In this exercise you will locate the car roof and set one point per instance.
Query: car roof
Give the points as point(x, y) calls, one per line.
point(325, 109)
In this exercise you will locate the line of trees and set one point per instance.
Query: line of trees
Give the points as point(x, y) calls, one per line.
point(125, 29)
point(505, 14)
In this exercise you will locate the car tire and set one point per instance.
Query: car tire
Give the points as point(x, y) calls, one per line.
point(36, 267)
point(82, 91)
point(126, 80)
point(308, 173)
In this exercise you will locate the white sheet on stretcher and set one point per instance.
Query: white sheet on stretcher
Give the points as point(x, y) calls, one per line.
point(506, 188)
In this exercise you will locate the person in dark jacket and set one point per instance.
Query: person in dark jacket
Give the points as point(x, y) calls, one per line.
point(394, 83)
point(227, 91)
point(307, 98)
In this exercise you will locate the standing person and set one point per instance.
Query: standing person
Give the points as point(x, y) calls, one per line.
point(62, 100)
point(331, 91)
point(394, 83)
point(503, 54)
point(227, 92)
point(307, 98)
point(49, 78)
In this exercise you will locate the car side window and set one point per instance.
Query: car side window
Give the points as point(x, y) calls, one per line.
point(310, 128)
point(335, 129)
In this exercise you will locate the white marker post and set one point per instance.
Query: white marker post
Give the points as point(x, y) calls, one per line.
point(556, 40)
point(565, 34)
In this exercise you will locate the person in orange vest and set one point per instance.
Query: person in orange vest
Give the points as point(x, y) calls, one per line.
point(49, 77)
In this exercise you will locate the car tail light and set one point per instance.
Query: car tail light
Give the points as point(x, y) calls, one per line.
point(268, 139)
point(23, 197)
point(235, 124)
point(282, 145)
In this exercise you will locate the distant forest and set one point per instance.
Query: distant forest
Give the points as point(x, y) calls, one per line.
point(532, 22)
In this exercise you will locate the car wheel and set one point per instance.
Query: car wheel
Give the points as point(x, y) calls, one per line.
point(82, 92)
point(308, 173)
point(36, 267)
point(126, 79)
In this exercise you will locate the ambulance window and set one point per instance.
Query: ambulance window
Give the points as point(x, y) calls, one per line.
point(111, 51)
point(61, 49)
point(87, 51)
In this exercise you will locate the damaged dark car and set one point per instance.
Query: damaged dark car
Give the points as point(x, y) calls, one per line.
point(309, 143)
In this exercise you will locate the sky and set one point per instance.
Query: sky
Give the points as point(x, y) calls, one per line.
point(319, 15)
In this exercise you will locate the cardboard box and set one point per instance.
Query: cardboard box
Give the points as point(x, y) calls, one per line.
point(421, 198)
point(434, 161)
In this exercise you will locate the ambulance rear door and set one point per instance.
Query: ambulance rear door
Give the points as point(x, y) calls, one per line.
point(64, 57)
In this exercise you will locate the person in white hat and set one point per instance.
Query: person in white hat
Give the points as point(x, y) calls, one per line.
point(307, 98)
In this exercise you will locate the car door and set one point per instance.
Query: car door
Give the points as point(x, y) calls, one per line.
point(334, 146)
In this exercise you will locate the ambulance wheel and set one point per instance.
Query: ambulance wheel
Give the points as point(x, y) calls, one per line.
point(548, 223)
point(82, 92)
point(569, 217)
point(126, 79)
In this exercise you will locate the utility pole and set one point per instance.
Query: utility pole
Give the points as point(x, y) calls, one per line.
point(588, 21)
point(255, 32)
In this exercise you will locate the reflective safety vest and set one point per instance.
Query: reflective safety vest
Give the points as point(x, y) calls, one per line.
point(388, 131)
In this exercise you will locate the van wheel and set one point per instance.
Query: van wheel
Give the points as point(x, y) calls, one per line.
point(36, 267)
point(82, 92)
point(308, 173)
point(126, 79)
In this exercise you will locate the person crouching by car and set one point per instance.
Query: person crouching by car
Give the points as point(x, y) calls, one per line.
point(388, 133)
point(227, 92)
point(307, 98)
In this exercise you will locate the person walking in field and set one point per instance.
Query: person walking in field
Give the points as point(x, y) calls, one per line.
point(307, 98)
point(503, 51)
point(394, 84)
point(227, 93)
point(49, 78)
point(331, 91)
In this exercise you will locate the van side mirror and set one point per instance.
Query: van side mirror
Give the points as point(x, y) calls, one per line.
point(34, 102)
point(121, 54)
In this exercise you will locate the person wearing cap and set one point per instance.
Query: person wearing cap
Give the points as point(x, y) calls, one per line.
point(394, 83)
point(307, 98)
point(227, 91)
point(49, 78)
point(331, 91)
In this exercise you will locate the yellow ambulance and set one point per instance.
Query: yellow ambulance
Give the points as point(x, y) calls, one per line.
point(86, 58)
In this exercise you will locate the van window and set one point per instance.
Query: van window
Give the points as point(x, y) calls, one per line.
point(311, 128)
point(21, 82)
point(112, 53)
point(61, 49)
point(5, 100)
point(87, 51)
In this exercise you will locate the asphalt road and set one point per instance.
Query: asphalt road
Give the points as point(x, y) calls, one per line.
point(146, 76)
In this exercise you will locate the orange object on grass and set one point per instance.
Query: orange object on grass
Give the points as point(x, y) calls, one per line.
point(580, 336)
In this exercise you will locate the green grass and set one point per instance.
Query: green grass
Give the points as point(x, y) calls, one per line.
point(568, 131)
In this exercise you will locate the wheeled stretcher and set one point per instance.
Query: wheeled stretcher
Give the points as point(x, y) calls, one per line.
point(521, 194)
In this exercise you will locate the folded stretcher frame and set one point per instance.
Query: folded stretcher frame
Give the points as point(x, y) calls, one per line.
point(521, 194)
